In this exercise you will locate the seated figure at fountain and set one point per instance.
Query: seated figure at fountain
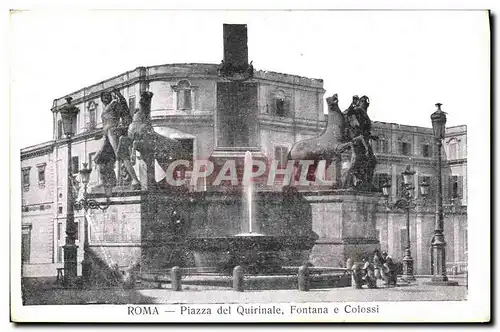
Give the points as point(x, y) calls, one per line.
point(115, 119)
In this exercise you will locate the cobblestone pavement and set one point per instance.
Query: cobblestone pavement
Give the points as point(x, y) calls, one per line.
point(194, 294)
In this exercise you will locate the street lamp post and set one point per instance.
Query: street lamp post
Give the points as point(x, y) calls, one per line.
point(68, 115)
point(406, 203)
point(86, 203)
point(438, 258)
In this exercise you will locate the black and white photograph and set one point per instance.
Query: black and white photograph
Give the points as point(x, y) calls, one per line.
point(250, 165)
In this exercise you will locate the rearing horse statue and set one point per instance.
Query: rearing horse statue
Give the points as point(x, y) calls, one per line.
point(329, 143)
point(338, 137)
point(152, 146)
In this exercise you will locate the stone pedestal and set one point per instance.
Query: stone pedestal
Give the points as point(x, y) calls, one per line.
point(346, 224)
point(114, 248)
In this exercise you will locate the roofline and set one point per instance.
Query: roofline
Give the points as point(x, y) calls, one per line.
point(38, 149)
point(142, 72)
point(419, 127)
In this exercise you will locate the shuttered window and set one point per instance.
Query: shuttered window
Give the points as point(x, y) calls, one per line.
point(455, 187)
point(426, 150)
point(26, 244)
point(75, 164)
point(405, 148)
point(452, 151)
point(131, 105)
point(26, 176)
point(379, 179)
point(184, 96)
point(383, 145)
point(59, 129)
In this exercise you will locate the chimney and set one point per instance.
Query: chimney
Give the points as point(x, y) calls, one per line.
point(235, 46)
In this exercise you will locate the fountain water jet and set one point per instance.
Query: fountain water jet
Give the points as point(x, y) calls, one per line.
point(263, 232)
point(248, 191)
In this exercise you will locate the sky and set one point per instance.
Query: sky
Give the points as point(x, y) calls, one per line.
point(405, 61)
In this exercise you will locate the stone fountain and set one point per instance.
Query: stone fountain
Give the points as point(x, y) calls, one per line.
point(213, 230)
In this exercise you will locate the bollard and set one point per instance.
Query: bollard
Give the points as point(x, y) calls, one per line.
point(238, 279)
point(303, 277)
point(175, 276)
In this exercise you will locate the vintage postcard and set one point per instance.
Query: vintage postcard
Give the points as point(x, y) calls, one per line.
point(250, 166)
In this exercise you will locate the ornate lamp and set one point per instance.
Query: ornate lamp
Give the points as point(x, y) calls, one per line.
point(68, 115)
point(86, 203)
point(438, 245)
point(85, 175)
point(406, 202)
point(438, 119)
point(386, 189)
point(424, 188)
point(407, 175)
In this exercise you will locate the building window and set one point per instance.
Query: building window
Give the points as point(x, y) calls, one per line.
point(91, 160)
point(377, 235)
point(426, 150)
point(91, 115)
point(26, 244)
point(59, 230)
point(59, 129)
point(452, 150)
point(466, 246)
point(405, 149)
point(75, 164)
point(382, 145)
point(60, 254)
point(26, 176)
point(281, 155)
point(60, 210)
point(76, 230)
point(184, 95)
point(131, 105)
point(379, 180)
point(41, 174)
point(281, 107)
point(455, 189)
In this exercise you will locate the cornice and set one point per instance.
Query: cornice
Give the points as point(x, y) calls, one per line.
point(457, 161)
point(173, 72)
point(38, 151)
point(401, 159)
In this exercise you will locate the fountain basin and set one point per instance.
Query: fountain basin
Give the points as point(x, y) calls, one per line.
point(257, 254)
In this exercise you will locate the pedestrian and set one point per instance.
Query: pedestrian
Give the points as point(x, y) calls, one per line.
point(378, 264)
point(369, 274)
point(390, 268)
